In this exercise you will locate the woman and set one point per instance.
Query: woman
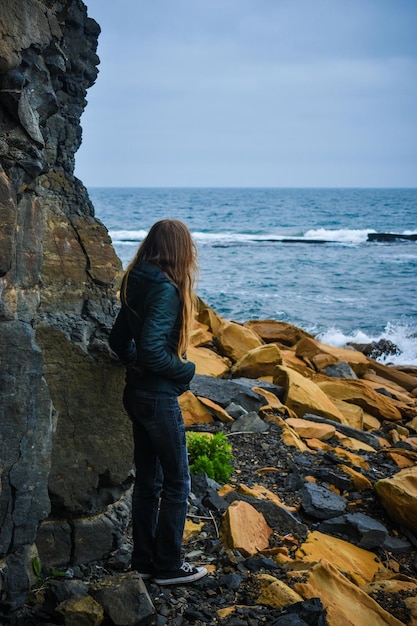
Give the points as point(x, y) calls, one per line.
point(150, 337)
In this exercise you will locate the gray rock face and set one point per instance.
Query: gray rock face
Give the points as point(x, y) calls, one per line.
point(65, 442)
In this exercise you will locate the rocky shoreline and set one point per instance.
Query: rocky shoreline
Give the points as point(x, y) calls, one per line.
point(317, 524)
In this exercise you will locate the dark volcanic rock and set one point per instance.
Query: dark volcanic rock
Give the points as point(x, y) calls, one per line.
point(321, 503)
point(65, 443)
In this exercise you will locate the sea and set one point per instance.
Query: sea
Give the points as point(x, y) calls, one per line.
point(301, 256)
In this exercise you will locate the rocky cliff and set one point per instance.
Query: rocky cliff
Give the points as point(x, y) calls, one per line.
point(65, 445)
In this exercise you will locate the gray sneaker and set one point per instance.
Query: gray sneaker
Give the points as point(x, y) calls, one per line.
point(187, 573)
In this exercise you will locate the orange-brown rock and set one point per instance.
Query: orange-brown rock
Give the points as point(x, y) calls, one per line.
point(307, 429)
point(258, 362)
point(304, 396)
point(216, 410)
point(359, 393)
point(208, 362)
point(393, 588)
point(303, 367)
point(235, 340)
point(191, 529)
point(271, 400)
point(275, 593)
point(271, 331)
point(193, 411)
point(288, 434)
point(258, 491)
point(200, 335)
point(359, 565)
point(355, 459)
point(244, 529)
point(404, 380)
point(352, 443)
point(398, 495)
point(309, 348)
point(345, 603)
point(360, 481)
point(353, 414)
point(207, 316)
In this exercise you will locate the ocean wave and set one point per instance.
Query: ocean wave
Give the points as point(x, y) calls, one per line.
point(123, 236)
point(404, 336)
point(344, 236)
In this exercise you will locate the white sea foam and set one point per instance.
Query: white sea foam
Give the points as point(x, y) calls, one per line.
point(338, 236)
point(120, 236)
point(404, 336)
point(342, 235)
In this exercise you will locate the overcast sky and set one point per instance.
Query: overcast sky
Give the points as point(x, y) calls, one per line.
point(276, 93)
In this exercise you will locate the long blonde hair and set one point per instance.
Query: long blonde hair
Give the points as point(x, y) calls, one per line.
point(169, 245)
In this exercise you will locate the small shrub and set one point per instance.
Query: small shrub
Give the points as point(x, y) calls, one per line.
point(211, 454)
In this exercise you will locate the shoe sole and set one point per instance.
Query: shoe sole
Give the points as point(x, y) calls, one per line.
point(178, 580)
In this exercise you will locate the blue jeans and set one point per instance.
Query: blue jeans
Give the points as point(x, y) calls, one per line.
point(162, 483)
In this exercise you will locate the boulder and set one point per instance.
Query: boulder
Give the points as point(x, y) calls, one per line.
point(224, 392)
point(258, 362)
point(216, 410)
point(360, 529)
point(398, 495)
point(344, 602)
point(309, 348)
point(207, 362)
point(81, 610)
point(275, 593)
point(193, 410)
point(274, 331)
point(208, 317)
point(358, 565)
point(125, 599)
point(250, 423)
point(235, 340)
point(307, 429)
point(321, 503)
point(359, 393)
point(304, 396)
point(244, 529)
point(200, 335)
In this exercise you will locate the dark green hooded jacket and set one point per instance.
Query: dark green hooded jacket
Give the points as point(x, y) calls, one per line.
point(146, 333)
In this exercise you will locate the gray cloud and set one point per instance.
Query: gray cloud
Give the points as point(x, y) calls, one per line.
point(253, 92)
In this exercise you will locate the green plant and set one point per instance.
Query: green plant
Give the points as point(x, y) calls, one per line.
point(211, 454)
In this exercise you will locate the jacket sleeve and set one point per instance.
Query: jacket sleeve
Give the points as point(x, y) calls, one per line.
point(162, 310)
point(120, 339)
